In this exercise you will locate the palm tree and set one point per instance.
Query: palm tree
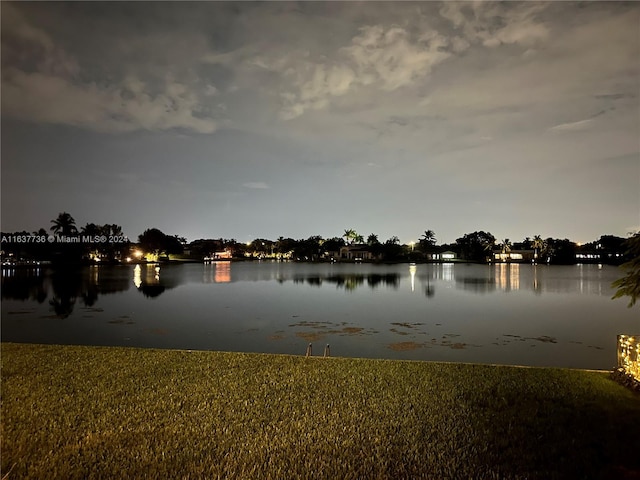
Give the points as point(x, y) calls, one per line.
point(538, 244)
point(428, 238)
point(358, 238)
point(488, 245)
point(427, 242)
point(349, 235)
point(91, 229)
point(64, 224)
point(112, 230)
point(505, 248)
point(372, 239)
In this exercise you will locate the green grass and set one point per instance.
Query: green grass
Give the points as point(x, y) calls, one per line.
point(93, 412)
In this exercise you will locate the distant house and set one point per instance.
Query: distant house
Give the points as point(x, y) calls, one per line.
point(514, 256)
point(357, 252)
point(220, 255)
point(331, 255)
point(444, 256)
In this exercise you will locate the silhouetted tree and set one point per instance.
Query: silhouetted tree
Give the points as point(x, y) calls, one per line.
point(538, 246)
point(428, 238)
point(333, 244)
point(285, 246)
point(64, 224)
point(629, 285)
point(476, 246)
point(391, 249)
point(372, 239)
point(154, 241)
point(205, 247)
point(427, 243)
point(505, 246)
point(309, 249)
point(349, 235)
point(561, 252)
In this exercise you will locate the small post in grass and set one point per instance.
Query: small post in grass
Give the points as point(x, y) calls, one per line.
point(309, 348)
point(327, 351)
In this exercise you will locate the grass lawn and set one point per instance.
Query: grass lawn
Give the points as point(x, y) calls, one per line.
point(94, 412)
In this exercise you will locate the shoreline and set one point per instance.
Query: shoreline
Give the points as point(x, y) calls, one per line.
point(311, 357)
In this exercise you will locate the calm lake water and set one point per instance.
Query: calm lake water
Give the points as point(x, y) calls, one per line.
point(508, 314)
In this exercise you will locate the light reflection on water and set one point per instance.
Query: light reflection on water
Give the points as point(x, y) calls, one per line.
point(503, 313)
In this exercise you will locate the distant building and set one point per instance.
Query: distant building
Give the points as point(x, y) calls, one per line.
point(446, 256)
point(331, 255)
point(514, 256)
point(220, 255)
point(357, 252)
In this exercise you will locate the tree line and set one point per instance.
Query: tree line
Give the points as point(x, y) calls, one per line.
point(67, 244)
point(107, 243)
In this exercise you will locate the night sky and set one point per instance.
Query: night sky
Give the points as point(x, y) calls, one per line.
point(246, 120)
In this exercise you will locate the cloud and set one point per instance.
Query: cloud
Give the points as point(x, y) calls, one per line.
point(316, 84)
point(573, 126)
point(126, 107)
point(493, 24)
point(32, 48)
point(256, 185)
point(391, 57)
point(381, 57)
point(43, 83)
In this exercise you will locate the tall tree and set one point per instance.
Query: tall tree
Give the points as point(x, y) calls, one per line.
point(349, 235)
point(372, 239)
point(474, 246)
point(391, 249)
point(505, 246)
point(629, 285)
point(428, 238)
point(156, 242)
point(427, 242)
point(333, 244)
point(91, 229)
point(64, 225)
point(538, 246)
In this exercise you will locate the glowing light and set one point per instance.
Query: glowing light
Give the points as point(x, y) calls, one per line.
point(137, 253)
point(629, 354)
point(222, 272)
point(137, 276)
point(412, 272)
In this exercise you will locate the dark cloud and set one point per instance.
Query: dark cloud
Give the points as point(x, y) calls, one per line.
point(405, 111)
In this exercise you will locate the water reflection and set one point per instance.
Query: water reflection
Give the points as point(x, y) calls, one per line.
point(511, 277)
point(62, 287)
point(350, 282)
point(518, 314)
point(152, 281)
point(412, 273)
point(24, 284)
point(217, 272)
